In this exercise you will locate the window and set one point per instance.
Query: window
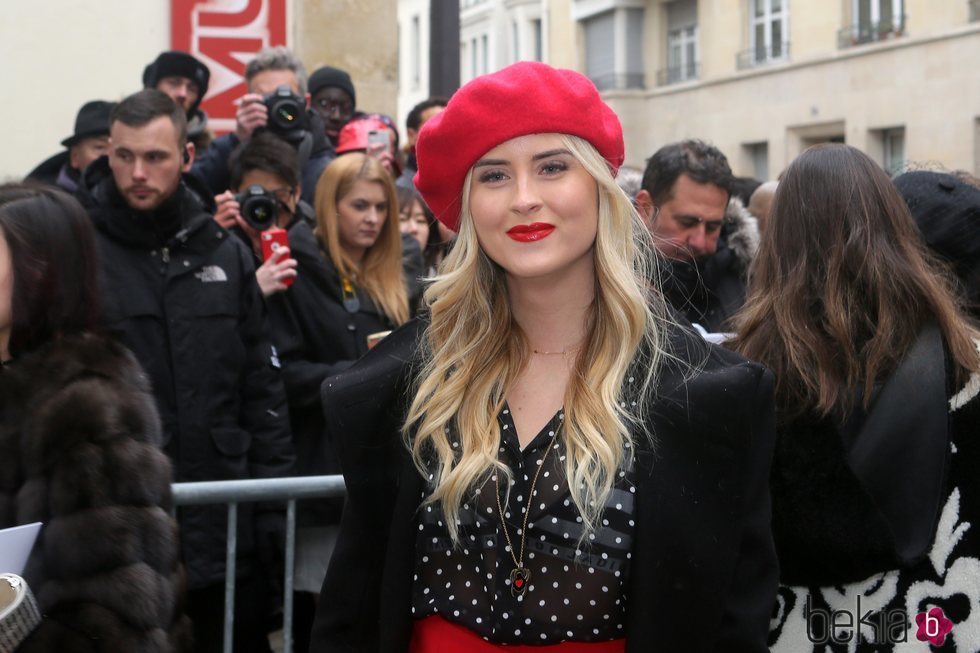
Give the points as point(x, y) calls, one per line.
point(485, 43)
point(614, 47)
point(600, 57)
point(893, 150)
point(758, 154)
point(682, 54)
point(682, 42)
point(538, 35)
point(768, 32)
point(474, 59)
point(874, 20)
point(416, 45)
point(515, 39)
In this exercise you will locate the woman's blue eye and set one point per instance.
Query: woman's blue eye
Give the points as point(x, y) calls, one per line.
point(491, 176)
point(554, 167)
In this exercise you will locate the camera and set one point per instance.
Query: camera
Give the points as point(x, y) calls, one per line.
point(259, 207)
point(286, 110)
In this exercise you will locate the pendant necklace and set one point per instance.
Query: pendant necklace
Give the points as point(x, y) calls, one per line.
point(520, 576)
point(350, 300)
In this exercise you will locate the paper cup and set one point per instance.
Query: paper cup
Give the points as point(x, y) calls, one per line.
point(375, 338)
point(19, 614)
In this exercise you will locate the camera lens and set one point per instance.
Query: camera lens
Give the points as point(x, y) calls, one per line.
point(259, 207)
point(284, 114)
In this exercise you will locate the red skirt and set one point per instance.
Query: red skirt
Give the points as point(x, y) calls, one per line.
point(438, 635)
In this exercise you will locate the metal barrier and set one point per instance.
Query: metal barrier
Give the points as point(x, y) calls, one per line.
point(247, 491)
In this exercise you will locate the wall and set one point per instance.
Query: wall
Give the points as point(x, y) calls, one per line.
point(58, 55)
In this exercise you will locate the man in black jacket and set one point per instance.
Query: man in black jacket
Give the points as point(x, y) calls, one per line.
point(706, 237)
point(271, 69)
point(88, 143)
point(181, 293)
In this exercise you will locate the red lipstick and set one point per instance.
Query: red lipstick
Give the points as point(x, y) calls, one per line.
point(529, 233)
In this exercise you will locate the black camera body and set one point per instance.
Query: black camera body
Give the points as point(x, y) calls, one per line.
point(259, 207)
point(286, 111)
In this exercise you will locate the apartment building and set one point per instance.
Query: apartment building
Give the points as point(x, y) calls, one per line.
point(762, 79)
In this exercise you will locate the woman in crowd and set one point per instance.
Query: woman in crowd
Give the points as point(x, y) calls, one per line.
point(874, 480)
point(418, 221)
point(349, 285)
point(546, 460)
point(79, 445)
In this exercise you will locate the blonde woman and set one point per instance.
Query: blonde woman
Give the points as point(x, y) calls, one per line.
point(546, 459)
point(349, 285)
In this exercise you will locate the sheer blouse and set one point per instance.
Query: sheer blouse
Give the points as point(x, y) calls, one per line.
point(575, 592)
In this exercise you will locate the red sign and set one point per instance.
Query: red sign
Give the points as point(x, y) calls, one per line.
point(226, 35)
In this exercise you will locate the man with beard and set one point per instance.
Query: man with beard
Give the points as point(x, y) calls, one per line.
point(706, 236)
point(180, 292)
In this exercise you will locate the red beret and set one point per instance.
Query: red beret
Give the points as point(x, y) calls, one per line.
point(524, 98)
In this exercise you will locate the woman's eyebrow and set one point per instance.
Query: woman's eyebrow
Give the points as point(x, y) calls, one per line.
point(549, 154)
point(490, 162)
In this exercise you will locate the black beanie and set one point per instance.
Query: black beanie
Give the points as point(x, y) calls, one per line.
point(330, 76)
point(181, 64)
point(947, 212)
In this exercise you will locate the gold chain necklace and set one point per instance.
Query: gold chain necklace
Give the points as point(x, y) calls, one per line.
point(563, 352)
point(520, 576)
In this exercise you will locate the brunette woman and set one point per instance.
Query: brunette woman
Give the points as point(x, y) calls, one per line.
point(875, 488)
point(79, 445)
point(349, 285)
point(546, 460)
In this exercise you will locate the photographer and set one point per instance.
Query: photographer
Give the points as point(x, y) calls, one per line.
point(277, 102)
point(265, 179)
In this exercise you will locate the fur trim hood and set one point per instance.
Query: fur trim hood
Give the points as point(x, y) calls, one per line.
point(742, 230)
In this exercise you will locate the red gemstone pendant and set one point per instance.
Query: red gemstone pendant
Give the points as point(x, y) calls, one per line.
point(519, 578)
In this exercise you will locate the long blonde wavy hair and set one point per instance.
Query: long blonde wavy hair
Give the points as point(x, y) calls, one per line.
point(380, 273)
point(475, 350)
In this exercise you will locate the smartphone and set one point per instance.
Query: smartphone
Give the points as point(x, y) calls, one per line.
point(379, 142)
point(273, 239)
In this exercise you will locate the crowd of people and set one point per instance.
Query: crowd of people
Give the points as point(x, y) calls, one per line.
point(505, 340)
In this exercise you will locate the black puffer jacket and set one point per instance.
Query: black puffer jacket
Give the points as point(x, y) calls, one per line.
point(79, 441)
point(189, 308)
point(317, 336)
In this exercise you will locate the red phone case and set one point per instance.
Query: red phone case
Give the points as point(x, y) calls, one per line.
point(273, 239)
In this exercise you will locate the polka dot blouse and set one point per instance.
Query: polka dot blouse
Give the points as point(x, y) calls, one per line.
point(575, 592)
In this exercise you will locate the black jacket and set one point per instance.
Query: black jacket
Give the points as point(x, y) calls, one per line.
point(882, 509)
point(711, 290)
point(55, 171)
point(316, 337)
point(703, 575)
point(211, 166)
point(79, 441)
point(189, 308)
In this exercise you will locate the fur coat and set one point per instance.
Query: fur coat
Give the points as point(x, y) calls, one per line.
point(79, 445)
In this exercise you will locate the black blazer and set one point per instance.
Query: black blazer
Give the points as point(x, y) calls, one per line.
point(703, 571)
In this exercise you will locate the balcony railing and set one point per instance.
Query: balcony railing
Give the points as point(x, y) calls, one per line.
point(618, 81)
point(676, 74)
point(762, 55)
point(871, 32)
